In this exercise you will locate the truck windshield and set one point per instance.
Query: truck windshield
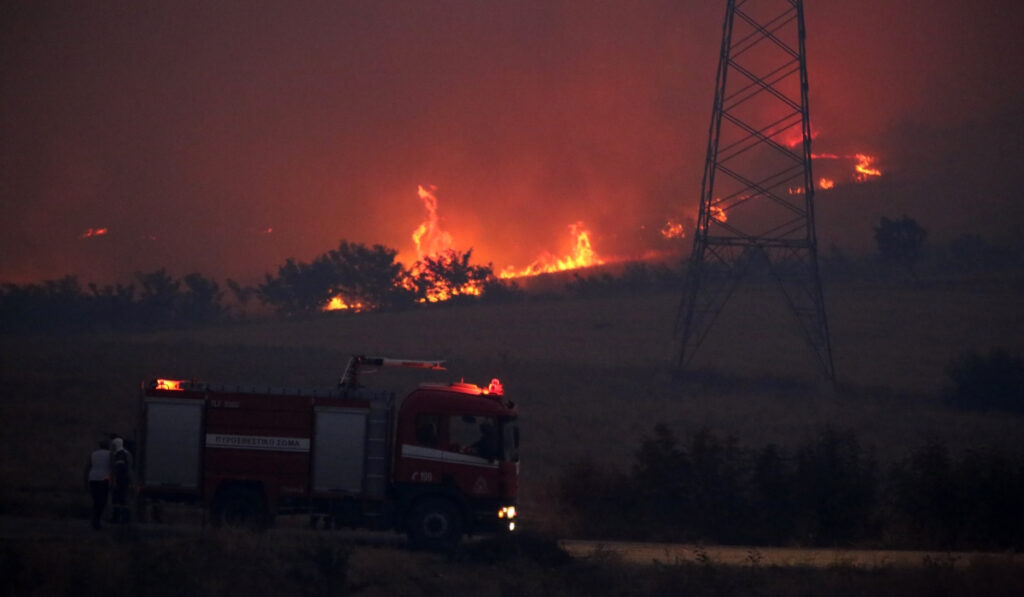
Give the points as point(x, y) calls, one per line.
point(510, 440)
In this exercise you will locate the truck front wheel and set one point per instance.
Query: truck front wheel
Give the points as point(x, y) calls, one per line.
point(435, 524)
point(239, 507)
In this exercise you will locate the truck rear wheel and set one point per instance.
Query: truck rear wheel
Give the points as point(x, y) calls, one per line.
point(239, 507)
point(435, 524)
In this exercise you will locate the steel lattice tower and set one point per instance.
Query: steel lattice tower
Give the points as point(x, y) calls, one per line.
point(757, 196)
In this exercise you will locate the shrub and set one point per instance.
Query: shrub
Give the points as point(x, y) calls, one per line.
point(995, 381)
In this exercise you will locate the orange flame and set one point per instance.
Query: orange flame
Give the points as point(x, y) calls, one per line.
point(717, 212)
point(338, 304)
point(826, 183)
point(583, 255)
point(864, 168)
point(442, 290)
point(673, 229)
point(430, 239)
point(433, 242)
point(90, 232)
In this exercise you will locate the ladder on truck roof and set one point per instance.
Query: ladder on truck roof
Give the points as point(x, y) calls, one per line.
point(350, 378)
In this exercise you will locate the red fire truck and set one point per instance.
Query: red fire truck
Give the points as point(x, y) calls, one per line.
point(440, 463)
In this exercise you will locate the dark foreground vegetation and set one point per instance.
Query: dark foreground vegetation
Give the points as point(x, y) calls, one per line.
point(240, 563)
point(830, 491)
point(362, 278)
point(368, 278)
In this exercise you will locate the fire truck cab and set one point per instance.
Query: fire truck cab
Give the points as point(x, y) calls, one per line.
point(439, 464)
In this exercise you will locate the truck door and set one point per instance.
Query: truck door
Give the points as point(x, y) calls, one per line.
point(472, 454)
point(172, 446)
point(339, 450)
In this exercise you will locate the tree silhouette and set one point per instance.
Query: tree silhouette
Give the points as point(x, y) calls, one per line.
point(364, 275)
point(358, 274)
point(298, 287)
point(900, 241)
point(158, 297)
point(201, 302)
point(448, 275)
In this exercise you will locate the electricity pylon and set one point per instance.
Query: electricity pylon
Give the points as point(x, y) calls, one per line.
point(757, 196)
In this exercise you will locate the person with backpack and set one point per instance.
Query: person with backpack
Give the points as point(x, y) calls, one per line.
point(121, 480)
point(97, 479)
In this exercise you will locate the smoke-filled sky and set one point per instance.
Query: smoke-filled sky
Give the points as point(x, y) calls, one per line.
point(224, 137)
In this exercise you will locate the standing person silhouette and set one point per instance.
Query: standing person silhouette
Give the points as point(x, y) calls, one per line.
point(97, 479)
point(121, 477)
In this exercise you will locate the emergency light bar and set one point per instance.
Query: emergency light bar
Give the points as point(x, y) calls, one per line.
point(169, 384)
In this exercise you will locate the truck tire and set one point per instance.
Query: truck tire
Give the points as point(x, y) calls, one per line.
point(239, 507)
point(435, 524)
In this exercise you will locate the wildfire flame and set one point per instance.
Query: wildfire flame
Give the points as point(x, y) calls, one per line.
point(823, 184)
point(440, 289)
point(864, 168)
point(434, 247)
point(583, 255)
point(338, 304)
point(673, 229)
point(717, 212)
point(90, 232)
point(430, 239)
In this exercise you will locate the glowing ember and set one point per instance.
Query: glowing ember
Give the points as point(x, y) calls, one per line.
point(864, 168)
point(90, 232)
point(673, 229)
point(583, 255)
point(826, 183)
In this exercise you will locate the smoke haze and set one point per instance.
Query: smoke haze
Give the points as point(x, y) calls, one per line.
point(225, 137)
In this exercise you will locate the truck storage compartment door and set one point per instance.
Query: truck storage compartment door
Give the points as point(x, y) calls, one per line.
point(339, 447)
point(172, 444)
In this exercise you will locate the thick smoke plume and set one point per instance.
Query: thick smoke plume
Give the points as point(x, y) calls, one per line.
point(225, 137)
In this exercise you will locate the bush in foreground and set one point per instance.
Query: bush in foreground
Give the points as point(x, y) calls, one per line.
point(987, 382)
point(828, 491)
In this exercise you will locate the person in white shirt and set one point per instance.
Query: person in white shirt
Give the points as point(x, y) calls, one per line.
point(97, 477)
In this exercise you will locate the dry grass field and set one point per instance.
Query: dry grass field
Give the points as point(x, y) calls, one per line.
point(592, 376)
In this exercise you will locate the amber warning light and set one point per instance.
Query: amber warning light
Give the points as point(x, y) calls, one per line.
point(168, 384)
